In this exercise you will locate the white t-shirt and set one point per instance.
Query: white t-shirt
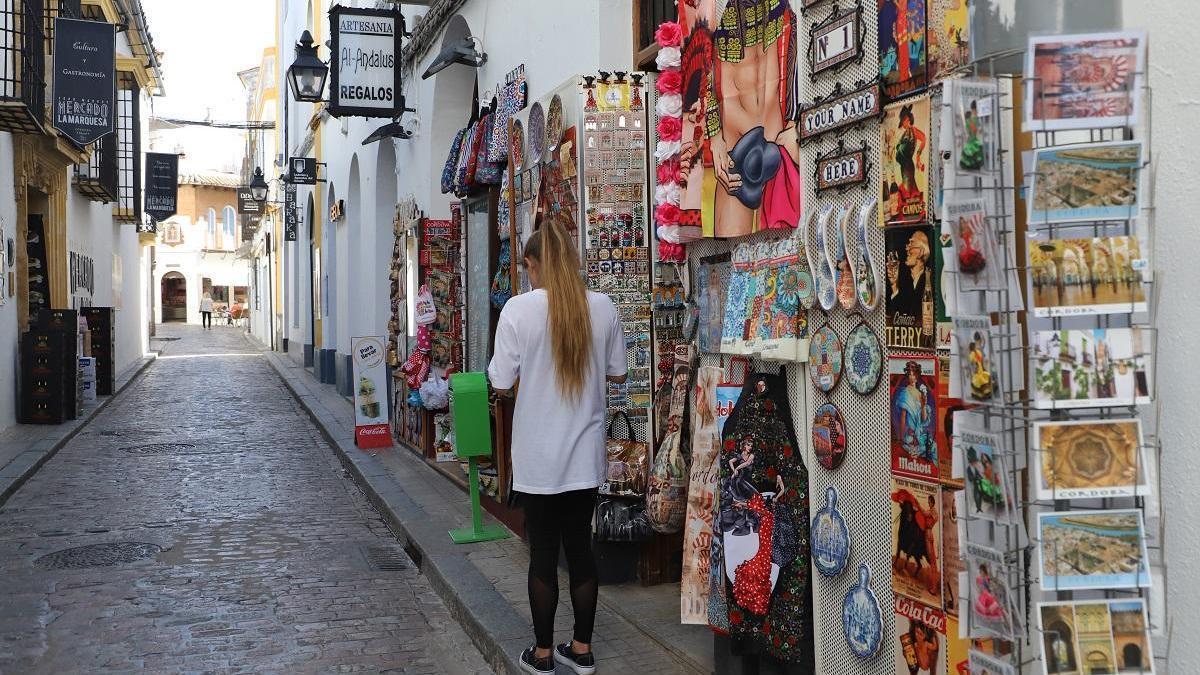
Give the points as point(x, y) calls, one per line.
point(557, 445)
point(206, 304)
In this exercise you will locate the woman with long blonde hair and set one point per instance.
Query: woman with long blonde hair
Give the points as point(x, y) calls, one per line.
point(564, 344)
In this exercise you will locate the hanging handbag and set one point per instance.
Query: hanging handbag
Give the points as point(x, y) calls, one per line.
point(622, 521)
point(450, 170)
point(628, 461)
point(666, 499)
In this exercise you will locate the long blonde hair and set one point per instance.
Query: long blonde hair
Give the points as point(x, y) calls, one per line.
point(570, 318)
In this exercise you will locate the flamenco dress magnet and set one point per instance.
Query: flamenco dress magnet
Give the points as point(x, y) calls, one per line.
point(863, 359)
point(829, 436)
point(825, 359)
point(862, 621)
point(830, 537)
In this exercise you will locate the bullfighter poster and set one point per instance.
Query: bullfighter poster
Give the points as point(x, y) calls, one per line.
point(917, 540)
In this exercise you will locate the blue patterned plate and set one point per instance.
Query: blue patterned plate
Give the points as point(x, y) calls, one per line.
point(862, 622)
point(864, 359)
point(830, 537)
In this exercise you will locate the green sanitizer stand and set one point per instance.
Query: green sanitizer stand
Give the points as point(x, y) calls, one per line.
point(472, 440)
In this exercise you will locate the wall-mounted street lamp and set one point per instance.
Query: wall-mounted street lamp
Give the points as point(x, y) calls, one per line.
point(258, 185)
point(307, 74)
point(462, 53)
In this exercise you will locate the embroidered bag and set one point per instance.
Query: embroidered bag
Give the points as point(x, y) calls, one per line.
point(451, 169)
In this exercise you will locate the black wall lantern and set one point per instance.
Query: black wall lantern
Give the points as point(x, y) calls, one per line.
point(258, 185)
point(307, 74)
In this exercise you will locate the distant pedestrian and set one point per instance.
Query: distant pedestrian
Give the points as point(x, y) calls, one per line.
point(206, 310)
point(565, 344)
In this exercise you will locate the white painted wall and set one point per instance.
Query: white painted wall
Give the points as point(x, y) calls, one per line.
point(8, 311)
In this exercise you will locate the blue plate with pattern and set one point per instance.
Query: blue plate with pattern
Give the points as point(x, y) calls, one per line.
point(862, 621)
point(863, 355)
point(830, 537)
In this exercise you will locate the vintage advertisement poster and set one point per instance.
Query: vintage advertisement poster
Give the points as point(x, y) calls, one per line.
point(1085, 459)
point(980, 265)
point(1083, 183)
point(905, 162)
point(1081, 550)
point(902, 47)
point(916, 541)
point(980, 461)
point(911, 289)
point(1100, 275)
point(752, 139)
point(977, 359)
point(920, 643)
point(1102, 636)
point(913, 386)
point(952, 563)
point(1084, 81)
point(949, 37)
point(371, 429)
point(992, 605)
point(1089, 368)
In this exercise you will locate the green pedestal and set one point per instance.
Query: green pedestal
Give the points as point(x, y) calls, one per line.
point(477, 532)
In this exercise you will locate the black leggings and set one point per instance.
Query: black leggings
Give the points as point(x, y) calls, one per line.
point(206, 319)
point(552, 521)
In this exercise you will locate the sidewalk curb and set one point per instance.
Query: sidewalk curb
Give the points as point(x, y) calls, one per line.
point(493, 625)
point(23, 467)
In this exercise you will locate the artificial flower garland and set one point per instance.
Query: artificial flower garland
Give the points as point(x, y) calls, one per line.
point(669, 127)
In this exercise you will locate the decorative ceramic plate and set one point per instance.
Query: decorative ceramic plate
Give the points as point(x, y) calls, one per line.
point(830, 537)
point(829, 436)
point(516, 143)
point(862, 621)
point(825, 359)
point(554, 124)
point(537, 132)
point(864, 359)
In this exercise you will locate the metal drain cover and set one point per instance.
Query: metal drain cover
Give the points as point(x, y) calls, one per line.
point(159, 448)
point(97, 555)
point(386, 558)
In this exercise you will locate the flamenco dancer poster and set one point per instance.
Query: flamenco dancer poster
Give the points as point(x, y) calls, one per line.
point(902, 47)
point(905, 162)
point(916, 541)
point(745, 110)
point(914, 416)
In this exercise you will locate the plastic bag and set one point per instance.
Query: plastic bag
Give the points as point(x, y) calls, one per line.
point(425, 312)
point(435, 393)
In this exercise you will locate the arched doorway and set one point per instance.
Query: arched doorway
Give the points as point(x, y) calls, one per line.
point(1131, 657)
point(174, 297)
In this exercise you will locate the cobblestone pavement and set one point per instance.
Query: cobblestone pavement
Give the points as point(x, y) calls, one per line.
point(271, 560)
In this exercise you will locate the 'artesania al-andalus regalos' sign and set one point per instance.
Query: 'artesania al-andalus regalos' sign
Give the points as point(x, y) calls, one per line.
point(365, 65)
point(84, 79)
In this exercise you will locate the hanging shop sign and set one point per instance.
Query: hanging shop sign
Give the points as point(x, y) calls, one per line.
point(247, 204)
point(81, 270)
point(291, 217)
point(337, 211)
point(85, 87)
point(162, 185)
point(841, 169)
point(365, 78)
point(371, 429)
point(303, 170)
point(840, 110)
point(836, 41)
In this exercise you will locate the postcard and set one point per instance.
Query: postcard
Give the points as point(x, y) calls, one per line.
point(991, 606)
point(983, 664)
point(1083, 183)
point(980, 263)
point(972, 104)
point(1084, 81)
point(977, 359)
point(1099, 636)
point(916, 540)
point(905, 162)
point(920, 643)
point(1082, 550)
point(913, 387)
point(1089, 459)
point(988, 493)
point(1100, 275)
point(1089, 368)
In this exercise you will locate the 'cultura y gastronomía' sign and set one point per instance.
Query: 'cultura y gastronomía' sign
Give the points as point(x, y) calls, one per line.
point(365, 65)
point(84, 79)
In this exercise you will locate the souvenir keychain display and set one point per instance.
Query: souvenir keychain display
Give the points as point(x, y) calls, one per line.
point(863, 358)
point(843, 276)
point(830, 537)
point(825, 359)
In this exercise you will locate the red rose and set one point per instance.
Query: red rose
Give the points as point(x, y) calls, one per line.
point(668, 172)
point(666, 214)
point(668, 252)
point(670, 129)
point(729, 444)
point(670, 82)
point(669, 34)
point(787, 451)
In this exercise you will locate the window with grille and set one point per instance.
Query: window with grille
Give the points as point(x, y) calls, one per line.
point(648, 15)
point(67, 9)
point(97, 178)
point(129, 153)
point(22, 66)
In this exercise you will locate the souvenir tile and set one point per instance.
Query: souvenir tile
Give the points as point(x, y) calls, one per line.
point(593, 268)
point(916, 537)
point(864, 359)
point(977, 359)
point(830, 537)
point(1085, 459)
point(862, 620)
point(829, 436)
point(643, 267)
point(902, 46)
point(980, 265)
point(1084, 81)
point(913, 395)
point(825, 359)
point(606, 140)
point(536, 132)
point(607, 121)
point(591, 161)
point(1098, 631)
point(991, 606)
point(979, 460)
point(911, 288)
point(905, 162)
point(1101, 275)
point(1081, 550)
point(608, 193)
point(1084, 183)
point(554, 123)
point(621, 139)
point(836, 41)
point(1089, 368)
point(840, 110)
point(591, 122)
point(842, 169)
point(637, 140)
point(920, 645)
point(622, 120)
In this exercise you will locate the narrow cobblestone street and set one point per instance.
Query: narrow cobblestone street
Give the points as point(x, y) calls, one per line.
point(257, 553)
